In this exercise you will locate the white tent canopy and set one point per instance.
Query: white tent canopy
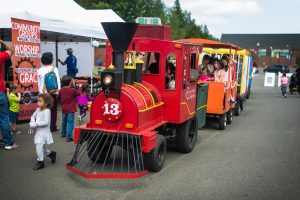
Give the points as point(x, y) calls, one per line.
point(64, 24)
point(62, 16)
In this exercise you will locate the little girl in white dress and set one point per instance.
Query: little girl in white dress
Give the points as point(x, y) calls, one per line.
point(40, 121)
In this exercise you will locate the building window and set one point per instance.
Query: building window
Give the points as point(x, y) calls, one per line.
point(262, 52)
point(279, 52)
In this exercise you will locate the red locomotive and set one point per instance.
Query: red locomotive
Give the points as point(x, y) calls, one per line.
point(147, 101)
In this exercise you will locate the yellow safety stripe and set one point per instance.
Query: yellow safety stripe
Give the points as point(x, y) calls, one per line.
point(138, 93)
point(185, 103)
point(152, 107)
point(141, 85)
point(201, 107)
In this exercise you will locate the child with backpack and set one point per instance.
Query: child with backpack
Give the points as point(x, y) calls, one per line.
point(67, 95)
point(83, 100)
point(14, 99)
point(49, 82)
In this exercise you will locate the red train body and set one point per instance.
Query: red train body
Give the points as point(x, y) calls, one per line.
point(140, 114)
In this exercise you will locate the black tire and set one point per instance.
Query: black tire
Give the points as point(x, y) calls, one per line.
point(94, 149)
point(186, 135)
point(242, 105)
point(154, 161)
point(237, 108)
point(223, 121)
point(248, 93)
point(229, 116)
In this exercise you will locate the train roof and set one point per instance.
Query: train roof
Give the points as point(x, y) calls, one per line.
point(209, 43)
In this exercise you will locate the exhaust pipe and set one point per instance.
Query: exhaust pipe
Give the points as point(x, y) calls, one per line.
point(119, 35)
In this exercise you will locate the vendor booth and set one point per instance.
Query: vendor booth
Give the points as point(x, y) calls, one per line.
point(62, 24)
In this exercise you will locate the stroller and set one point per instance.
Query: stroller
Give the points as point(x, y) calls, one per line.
point(293, 86)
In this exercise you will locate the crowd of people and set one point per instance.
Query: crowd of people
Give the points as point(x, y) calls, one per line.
point(52, 89)
point(213, 69)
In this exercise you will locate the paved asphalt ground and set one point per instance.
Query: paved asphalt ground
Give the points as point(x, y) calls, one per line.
point(256, 157)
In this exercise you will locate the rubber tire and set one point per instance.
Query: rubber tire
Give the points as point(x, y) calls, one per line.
point(229, 116)
point(237, 108)
point(248, 93)
point(223, 121)
point(154, 161)
point(242, 105)
point(105, 151)
point(186, 135)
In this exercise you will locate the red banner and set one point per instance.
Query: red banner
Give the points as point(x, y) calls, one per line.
point(26, 62)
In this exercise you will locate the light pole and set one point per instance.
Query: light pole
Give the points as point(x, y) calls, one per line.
point(288, 55)
point(271, 55)
point(257, 44)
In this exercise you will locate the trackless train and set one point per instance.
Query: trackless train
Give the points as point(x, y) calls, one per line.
point(147, 103)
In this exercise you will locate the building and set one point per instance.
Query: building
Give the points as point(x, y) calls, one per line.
point(269, 48)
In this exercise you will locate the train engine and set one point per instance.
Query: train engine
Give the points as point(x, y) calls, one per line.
point(137, 113)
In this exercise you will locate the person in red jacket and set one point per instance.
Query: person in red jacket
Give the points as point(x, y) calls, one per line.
point(67, 95)
point(4, 114)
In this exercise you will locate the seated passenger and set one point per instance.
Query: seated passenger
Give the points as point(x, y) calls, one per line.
point(170, 68)
point(219, 73)
point(154, 67)
point(206, 64)
point(204, 76)
point(211, 66)
point(140, 56)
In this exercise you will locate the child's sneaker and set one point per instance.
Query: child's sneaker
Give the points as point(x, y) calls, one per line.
point(13, 146)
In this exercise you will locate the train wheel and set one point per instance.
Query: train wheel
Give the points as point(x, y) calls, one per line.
point(229, 116)
point(223, 121)
point(154, 161)
point(242, 105)
point(186, 135)
point(237, 108)
point(248, 93)
point(98, 151)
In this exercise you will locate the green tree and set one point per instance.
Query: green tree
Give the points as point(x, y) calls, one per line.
point(183, 25)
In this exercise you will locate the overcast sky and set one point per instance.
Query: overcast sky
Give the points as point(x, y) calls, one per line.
point(245, 16)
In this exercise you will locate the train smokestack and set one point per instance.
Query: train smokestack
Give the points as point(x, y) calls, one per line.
point(119, 35)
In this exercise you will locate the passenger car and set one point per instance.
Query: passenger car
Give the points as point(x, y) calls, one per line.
point(277, 68)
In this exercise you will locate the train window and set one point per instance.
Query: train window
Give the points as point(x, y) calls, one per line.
point(170, 71)
point(193, 61)
point(193, 72)
point(151, 65)
point(185, 70)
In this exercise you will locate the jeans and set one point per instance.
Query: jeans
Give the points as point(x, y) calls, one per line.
point(53, 110)
point(67, 125)
point(4, 120)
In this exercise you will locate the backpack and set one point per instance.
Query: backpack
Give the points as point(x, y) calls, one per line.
point(50, 82)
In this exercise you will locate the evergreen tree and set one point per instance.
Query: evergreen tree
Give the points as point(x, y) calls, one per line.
point(183, 25)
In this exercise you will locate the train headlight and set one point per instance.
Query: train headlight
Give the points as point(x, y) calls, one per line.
point(111, 79)
point(107, 80)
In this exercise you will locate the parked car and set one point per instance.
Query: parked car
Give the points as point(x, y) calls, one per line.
point(277, 68)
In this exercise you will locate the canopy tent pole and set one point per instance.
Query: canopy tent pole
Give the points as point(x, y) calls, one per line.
point(56, 52)
point(92, 70)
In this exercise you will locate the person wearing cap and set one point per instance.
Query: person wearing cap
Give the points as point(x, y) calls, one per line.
point(4, 114)
point(71, 62)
